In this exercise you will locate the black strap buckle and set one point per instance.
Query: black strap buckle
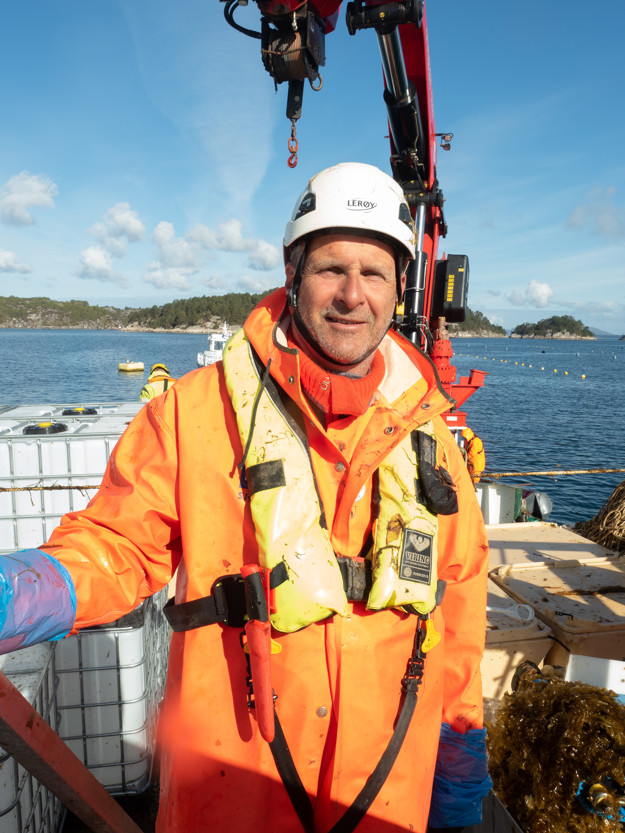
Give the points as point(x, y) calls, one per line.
point(225, 605)
point(415, 666)
point(229, 595)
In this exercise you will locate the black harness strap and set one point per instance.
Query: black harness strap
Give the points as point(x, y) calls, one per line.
point(374, 783)
point(226, 603)
point(290, 777)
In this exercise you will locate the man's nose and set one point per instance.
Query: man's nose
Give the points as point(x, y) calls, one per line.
point(351, 289)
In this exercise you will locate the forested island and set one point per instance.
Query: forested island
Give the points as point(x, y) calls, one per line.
point(192, 314)
point(558, 326)
point(476, 325)
point(200, 314)
point(209, 312)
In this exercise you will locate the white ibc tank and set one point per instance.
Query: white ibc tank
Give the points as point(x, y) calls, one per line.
point(51, 465)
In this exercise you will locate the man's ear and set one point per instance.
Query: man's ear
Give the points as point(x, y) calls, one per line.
point(289, 271)
point(403, 284)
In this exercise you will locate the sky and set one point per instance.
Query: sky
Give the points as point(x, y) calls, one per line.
point(143, 155)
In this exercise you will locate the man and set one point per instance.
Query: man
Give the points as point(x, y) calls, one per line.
point(313, 459)
point(475, 454)
point(158, 382)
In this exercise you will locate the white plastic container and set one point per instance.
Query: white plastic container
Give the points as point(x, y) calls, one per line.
point(511, 638)
point(500, 503)
point(39, 467)
point(26, 806)
point(81, 410)
point(604, 673)
point(582, 601)
point(111, 682)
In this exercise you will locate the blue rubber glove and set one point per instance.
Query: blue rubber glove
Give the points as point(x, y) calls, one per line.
point(37, 599)
point(461, 779)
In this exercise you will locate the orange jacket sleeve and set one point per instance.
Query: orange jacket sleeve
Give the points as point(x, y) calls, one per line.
point(126, 544)
point(463, 564)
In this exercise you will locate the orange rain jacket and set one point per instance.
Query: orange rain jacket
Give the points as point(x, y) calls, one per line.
point(171, 500)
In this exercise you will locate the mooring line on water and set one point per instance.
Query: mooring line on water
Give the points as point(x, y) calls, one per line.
point(485, 476)
point(556, 473)
point(52, 488)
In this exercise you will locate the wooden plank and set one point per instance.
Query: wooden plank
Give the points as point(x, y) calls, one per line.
point(26, 736)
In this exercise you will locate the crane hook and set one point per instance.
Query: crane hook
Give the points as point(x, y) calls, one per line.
point(292, 145)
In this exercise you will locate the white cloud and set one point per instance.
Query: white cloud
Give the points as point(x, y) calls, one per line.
point(608, 308)
point(538, 294)
point(229, 238)
point(214, 282)
point(254, 284)
point(264, 257)
point(535, 294)
point(167, 277)
point(175, 251)
point(599, 215)
point(119, 225)
point(178, 259)
point(96, 263)
point(10, 263)
point(23, 192)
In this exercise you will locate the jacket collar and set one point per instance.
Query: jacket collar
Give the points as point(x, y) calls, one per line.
point(410, 385)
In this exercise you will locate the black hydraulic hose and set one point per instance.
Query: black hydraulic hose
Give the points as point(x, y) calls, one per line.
point(229, 15)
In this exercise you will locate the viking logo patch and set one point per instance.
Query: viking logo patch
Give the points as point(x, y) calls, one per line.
point(415, 563)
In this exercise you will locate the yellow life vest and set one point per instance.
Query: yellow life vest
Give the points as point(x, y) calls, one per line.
point(289, 520)
point(155, 386)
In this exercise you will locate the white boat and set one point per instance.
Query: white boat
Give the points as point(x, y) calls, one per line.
point(216, 343)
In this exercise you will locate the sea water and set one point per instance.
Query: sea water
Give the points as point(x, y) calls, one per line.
point(550, 405)
point(545, 406)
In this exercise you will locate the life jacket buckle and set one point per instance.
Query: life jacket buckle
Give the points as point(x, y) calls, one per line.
point(229, 594)
point(225, 605)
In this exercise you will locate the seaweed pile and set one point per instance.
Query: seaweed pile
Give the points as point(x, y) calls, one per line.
point(551, 740)
point(607, 528)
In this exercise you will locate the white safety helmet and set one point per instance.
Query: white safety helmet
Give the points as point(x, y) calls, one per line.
point(355, 198)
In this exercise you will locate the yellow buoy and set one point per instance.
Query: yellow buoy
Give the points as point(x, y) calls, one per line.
point(130, 367)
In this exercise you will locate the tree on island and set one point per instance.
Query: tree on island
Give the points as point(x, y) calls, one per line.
point(477, 322)
point(557, 324)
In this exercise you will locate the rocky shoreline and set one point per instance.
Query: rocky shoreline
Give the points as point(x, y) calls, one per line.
point(556, 336)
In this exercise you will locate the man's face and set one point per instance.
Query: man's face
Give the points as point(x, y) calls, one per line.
point(347, 297)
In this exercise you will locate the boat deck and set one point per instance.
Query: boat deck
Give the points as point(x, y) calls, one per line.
point(521, 543)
